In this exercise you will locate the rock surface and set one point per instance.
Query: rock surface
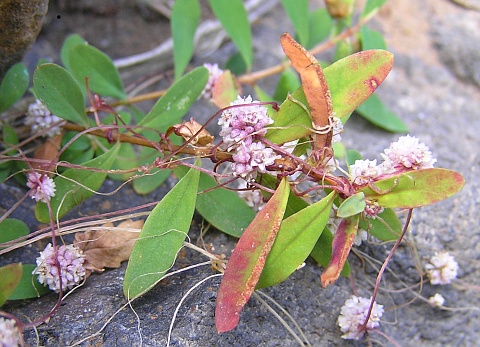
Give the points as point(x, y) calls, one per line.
point(434, 89)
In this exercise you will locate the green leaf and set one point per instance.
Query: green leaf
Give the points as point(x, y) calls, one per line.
point(343, 49)
point(322, 252)
point(352, 205)
point(125, 160)
point(178, 99)
point(287, 83)
point(76, 157)
point(28, 287)
point(222, 208)
point(236, 64)
point(148, 183)
point(60, 93)
point(11, 229)
point(10, 275)
point(261, 94)
point(70, 42)
point(14, 85)
point(371, 7)
point(375, 111)
point(9, 137)
point(320, 26)
point(184, 22)
point(296, 238)
point(103, 76)
point(75, 186)
point(371, 39)
point(351, 81)
point(4, 173)
point(161, 237)
point(386, 226)
point(247, 260)
point(234, 19)
point(415, 188)
point(297, 11)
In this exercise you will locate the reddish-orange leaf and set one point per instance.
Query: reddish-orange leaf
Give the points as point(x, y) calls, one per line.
point(341, 246)
point(48, 151)
point(314, 84)
point(225, 90)
point(247, 260)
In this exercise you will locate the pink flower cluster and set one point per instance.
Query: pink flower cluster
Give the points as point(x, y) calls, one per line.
point(408, 153)
point(42, 187)
point(242, 127)
point(71, 260)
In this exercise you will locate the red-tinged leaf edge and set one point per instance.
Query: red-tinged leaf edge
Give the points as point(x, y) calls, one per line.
point(247, 260)
point(341, 246)
point(415, 188)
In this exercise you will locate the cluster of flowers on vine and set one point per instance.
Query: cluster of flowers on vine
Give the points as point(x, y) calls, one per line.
point(242, 128)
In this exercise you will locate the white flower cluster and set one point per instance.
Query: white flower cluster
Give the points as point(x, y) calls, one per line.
point(39, 118)
point(354, 313)
point(214, 73)
point(361, 236)
point(405, 154)
point(9, 333)
point(408, 152)
point(337, 129)
point(71, 260)
point(42, 187)
point(241, 127)
point(364, 170)
point(436, 300)
point(442, 268)
point(253, 197)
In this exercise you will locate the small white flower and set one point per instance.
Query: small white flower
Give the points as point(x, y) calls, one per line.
point(354, 313)
point(214, 73)
point(408, 152)
point(261, 157)
point(253, 197)
point(42, 187)
point(436, 300)
point(9, 333)
point(361, 236)
point(71, 260)
point(337, 129)
point(442, 268)
point(40, 118)
point(364, 170)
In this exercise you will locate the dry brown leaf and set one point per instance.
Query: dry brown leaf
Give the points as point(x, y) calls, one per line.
point(48, 151)
point(108, 246)
point(188, 129)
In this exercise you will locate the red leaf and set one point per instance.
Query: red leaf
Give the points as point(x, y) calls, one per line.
point(247, 260)
point(341, 246)
point(314, 84)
